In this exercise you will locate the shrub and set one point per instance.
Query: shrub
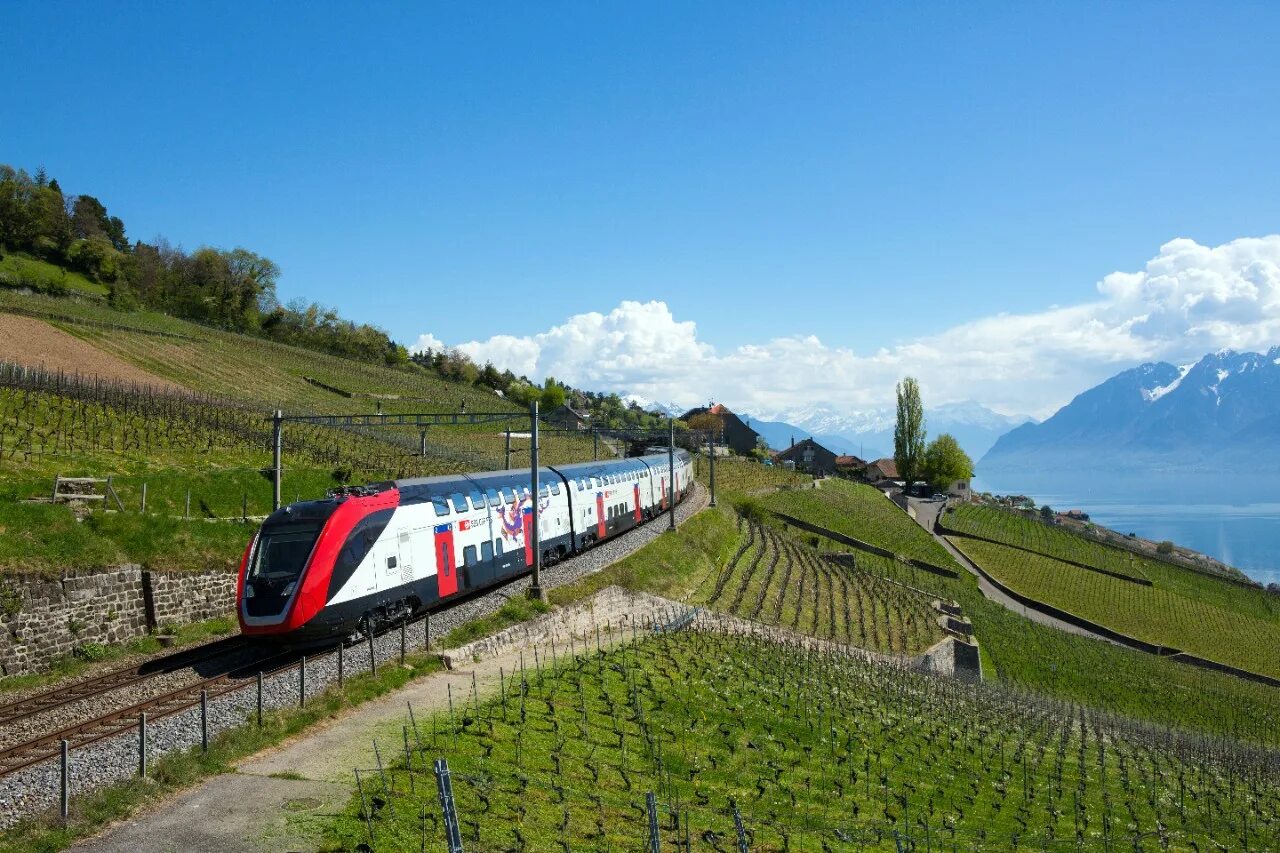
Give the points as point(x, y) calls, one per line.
point(1165, 547)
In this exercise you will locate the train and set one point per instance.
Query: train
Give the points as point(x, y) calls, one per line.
point(364, 558)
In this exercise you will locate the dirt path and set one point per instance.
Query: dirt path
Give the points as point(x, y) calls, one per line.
point(927, 513)
point(280, 799)
point(35, 343)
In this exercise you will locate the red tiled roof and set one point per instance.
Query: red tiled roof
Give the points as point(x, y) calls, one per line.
point(886, 466)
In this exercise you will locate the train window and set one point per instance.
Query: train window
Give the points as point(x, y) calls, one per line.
point(441, 505)
point(469, 555)
point(459, 502)
point(497, 547)
point(494, 498)
point(391, 562)
point(543, 492)
point(555, 488)
point(486, 551)
point(580, 486)
point(477, 500)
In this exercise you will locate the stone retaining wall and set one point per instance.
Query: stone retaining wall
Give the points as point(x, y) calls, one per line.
point(43, 619)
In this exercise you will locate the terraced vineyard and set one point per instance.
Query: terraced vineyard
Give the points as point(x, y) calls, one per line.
point(1149, 613)
point(805, 752)
point(772, 579)
point(1015, 529)
point(745, 477)
point(863, 513)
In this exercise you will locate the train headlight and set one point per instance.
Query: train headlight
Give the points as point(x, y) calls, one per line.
point(288, 590)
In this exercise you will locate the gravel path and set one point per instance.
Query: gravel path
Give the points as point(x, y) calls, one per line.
point(35, 789)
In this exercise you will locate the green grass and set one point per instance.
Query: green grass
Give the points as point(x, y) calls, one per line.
point(672, 566)
point(737, 476)
point(817, 752)
point(864, 513)
point(514, 612)
point(1149, 613)
point(19, 270)
point(1015, 529)
point(774, 580)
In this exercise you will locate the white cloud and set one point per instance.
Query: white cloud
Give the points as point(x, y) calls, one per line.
point(1189, 300)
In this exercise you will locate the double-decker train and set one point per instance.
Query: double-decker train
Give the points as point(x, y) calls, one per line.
point(370, 556)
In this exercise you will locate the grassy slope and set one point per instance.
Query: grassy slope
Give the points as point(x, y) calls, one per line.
point(24, 270)
point(1018, 651)
point(863, 513)
point(1149, 613)
point(804, 745)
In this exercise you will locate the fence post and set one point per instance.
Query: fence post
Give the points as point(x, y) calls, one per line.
point(403, 627)
point(277, 428)
point(739, 828)
point(651, 806)
point(507, 466)
point(144, 498)
point(244, 508)
point(444, 786)
point(302, 682)
point(64, 789)
point(426, 631)
point(186, 513)
point(373, 665)
point(204, 721)
point(259, 698)
point(142, 744)
point(341, 661)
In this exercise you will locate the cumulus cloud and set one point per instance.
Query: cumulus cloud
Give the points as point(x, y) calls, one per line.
point(1188, 300)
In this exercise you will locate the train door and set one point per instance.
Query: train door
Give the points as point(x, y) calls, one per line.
point(600, 526)
point(526, 521)
point(446, 573)
point(637, 497)
point(663, 497)
point(406, 557)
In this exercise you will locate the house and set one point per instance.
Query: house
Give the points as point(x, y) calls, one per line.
point(567, 417)
point(881, 469)
point(809, 456)
point(739, 436)
point(959, 489)
point(850, 466)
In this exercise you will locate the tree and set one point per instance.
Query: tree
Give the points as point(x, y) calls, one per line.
point(945, 462)
point(1046, 512)
point(706, 421)
point(908, 432)
point(552, 395)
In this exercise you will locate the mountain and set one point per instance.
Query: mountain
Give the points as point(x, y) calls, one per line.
point(973, 425)
point(675, 410)
point(1220, 414)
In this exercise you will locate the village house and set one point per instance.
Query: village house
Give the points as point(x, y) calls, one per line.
point(567, 417)
point(740, 437)
point(809, 456)
point(880, 470)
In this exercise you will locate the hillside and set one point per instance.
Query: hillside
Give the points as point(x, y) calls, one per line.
point(1218, 415)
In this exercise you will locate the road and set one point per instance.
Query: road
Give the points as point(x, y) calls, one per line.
point(927, 512)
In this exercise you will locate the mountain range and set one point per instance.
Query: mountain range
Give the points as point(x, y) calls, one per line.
point(869, 434)
point(1218, 415)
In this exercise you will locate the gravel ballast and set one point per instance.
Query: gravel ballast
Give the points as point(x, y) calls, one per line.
point(36, 789)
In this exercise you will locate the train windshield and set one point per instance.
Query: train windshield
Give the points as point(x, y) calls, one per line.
point(283, 553)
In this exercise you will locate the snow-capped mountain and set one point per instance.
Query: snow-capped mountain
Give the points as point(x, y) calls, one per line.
point(675, 410)
point(975, 426)
point(1220, 413)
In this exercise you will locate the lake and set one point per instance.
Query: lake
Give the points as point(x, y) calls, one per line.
point(1241, 530)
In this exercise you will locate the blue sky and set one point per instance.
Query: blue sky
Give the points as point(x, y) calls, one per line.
point(872, 176)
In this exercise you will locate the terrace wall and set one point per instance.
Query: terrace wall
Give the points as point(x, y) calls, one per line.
point(42, 619)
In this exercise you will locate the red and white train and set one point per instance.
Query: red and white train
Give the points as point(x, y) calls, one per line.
point(368, 557)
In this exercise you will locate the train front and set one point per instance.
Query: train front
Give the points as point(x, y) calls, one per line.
point(287, 569)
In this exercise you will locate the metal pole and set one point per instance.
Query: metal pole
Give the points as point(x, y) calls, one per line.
point(144, 498)
point(302, 682)
point(535, 588)
point(507, 466)
point(142, 744)
point(259, 698)
point(186, 513)
point(277, 427)
point(711, 461)
point(595, 444)
point(422, 444)
point(671, 470)
point(204, 720)
point(341, 662)
point(64, 790)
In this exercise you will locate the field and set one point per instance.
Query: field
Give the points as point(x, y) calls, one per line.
point(747, 477)
point(774, 580)
point(1148, 613)
point(803, 751)
point(1017, 530)
point(863, 513)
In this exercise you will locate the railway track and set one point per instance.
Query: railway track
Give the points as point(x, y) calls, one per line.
point(120, 720)
point(128, 676)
